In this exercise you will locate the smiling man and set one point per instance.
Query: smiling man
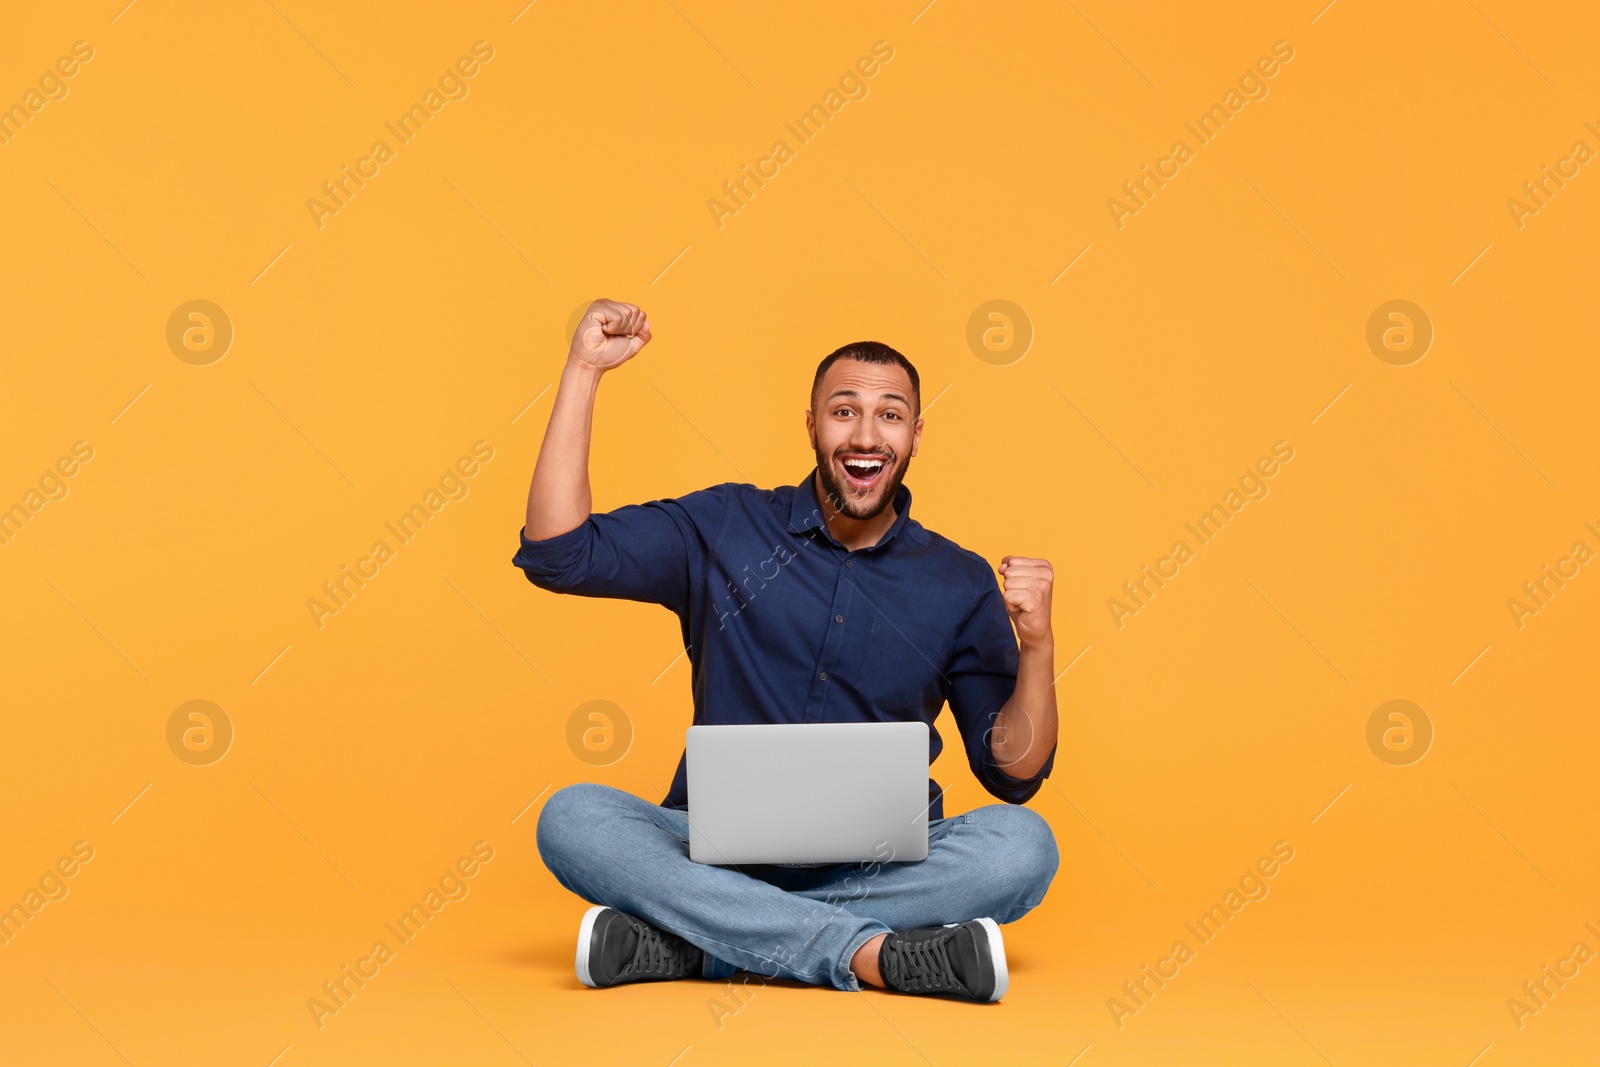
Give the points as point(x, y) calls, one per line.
point(818, 602)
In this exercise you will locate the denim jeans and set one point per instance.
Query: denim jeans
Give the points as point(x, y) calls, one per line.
point(782, 921)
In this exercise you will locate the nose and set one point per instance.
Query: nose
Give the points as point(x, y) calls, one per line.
point(864, 436)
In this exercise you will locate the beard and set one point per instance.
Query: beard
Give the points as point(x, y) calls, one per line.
point(841, 494)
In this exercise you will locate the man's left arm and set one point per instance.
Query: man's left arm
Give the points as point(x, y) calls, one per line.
point(1002, 699)
point(1025, 730)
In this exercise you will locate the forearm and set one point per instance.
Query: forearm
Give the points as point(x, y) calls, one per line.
point(558, 496)
point(1025, 730)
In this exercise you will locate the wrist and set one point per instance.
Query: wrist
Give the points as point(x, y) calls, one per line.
point(581, 370)
point(1039, 646)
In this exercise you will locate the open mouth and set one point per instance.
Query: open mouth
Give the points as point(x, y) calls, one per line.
point(864, 472)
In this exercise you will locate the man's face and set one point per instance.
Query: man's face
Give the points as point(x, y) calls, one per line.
point(864, 434)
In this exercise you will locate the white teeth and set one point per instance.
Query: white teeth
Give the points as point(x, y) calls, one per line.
point(863, 468)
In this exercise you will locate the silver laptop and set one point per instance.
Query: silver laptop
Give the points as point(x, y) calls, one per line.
point(808, 793)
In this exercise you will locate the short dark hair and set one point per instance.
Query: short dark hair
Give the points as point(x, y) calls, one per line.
point(870, 352)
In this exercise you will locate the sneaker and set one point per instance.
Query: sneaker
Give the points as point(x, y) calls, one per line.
point(966, 960)
point(614, 948)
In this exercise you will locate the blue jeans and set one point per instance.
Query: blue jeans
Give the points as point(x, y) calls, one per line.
point(803, 923)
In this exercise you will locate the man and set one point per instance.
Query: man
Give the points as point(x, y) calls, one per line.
point(820, 602)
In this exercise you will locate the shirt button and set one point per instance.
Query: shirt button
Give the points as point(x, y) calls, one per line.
point(823, 676)
point(849, 563)
point(838, 618)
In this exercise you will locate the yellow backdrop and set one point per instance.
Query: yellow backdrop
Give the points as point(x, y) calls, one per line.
point(1307, 292)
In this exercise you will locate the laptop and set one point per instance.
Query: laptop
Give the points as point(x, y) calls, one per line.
point(808, 793)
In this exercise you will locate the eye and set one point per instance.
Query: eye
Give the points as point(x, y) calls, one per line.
point(892, 415)
point(841, 411)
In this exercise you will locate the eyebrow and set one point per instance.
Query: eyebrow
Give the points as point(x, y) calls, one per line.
point(881, 396)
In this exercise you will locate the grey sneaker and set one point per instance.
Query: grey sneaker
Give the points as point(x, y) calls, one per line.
point(614, 948)
point(966, 960)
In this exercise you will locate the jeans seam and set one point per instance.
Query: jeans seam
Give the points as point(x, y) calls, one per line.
point(737, 949)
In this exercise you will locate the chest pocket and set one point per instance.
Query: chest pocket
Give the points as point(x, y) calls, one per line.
point(902, 662)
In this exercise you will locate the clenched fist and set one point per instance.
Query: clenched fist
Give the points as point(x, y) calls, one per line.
point(609, 334)
point(1026, 583)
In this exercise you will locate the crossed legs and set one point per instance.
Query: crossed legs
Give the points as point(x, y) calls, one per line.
point(804, 923)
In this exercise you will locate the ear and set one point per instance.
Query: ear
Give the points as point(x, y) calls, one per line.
point(811, 429)
point(916, 435)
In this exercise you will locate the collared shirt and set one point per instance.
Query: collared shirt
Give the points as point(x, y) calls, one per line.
point(783, 624)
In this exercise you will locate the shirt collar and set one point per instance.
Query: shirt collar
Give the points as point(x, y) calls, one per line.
point(805, 512)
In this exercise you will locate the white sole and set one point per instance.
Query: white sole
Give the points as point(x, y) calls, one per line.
point(585, 937)
point(997, 955)
point(997, 952)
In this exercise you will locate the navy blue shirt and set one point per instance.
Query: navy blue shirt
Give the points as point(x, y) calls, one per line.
point(783, 624)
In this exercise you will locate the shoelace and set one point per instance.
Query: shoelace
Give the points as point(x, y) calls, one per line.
point(923, 965)
point(655, 954)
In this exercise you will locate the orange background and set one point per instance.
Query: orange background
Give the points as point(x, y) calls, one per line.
point(430, 713)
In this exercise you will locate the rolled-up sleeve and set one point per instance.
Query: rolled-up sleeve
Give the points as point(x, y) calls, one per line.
point(645, 552)
point(982, 676)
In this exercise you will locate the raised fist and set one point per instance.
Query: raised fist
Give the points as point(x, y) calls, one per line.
point(1026, 584)
point(609, 334)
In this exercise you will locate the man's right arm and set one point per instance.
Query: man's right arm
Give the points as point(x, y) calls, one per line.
point(609, 335)
point(637, 552)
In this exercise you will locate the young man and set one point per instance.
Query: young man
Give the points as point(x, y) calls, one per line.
point(819, 602)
